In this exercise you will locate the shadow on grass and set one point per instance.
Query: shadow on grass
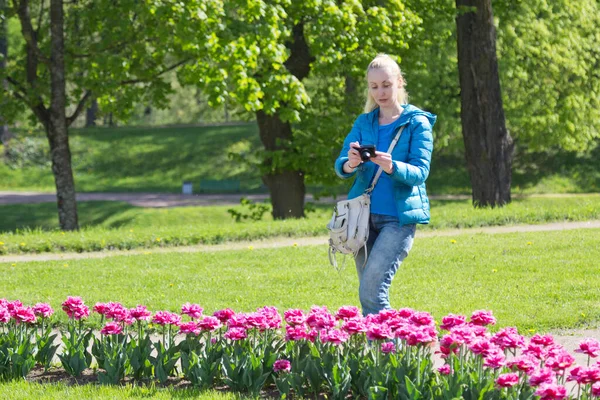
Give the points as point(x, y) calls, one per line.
point(563, 171)
point(179, 388)
point(44, 216)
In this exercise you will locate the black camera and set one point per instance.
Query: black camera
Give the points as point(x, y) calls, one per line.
point(367, 151)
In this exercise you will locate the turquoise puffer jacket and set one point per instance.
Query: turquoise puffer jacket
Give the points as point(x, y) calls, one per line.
point(411, 158)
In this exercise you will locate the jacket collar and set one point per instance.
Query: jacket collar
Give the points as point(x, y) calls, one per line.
point(409, 112)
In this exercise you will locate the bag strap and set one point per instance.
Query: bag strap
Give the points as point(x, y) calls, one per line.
point(380, 170)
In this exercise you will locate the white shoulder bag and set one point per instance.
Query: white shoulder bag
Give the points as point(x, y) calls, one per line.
point(349, 224)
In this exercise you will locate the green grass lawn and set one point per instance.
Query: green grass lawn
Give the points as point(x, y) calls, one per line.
point(21, 390)
point(136, 159)
point(113, 225)
point(539, 281)
point(147, 159)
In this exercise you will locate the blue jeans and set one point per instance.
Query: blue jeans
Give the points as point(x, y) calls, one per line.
point(388, 245)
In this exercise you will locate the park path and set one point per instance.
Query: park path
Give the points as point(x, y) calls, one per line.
point(287, 242)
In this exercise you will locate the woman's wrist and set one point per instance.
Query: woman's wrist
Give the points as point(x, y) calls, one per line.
point(350, 166)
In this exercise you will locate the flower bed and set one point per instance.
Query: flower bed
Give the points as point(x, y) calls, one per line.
point(388, 355)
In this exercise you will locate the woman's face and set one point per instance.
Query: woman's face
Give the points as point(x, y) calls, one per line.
point(384, 86)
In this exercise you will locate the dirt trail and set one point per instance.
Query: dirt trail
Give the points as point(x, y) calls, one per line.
point(283, 242)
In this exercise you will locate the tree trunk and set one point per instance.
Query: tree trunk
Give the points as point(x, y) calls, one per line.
point(488, 145)
point(285, 186)
point(91, 114)
point(56, 129)
point(5, 134)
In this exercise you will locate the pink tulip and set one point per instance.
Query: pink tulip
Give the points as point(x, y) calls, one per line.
point(463, 334)
point(535, 350)
point(256, 320)
point(209, 324)
point(406, 312)
point(272, 318)
point(508, 338)
point(596, 389)
point(378, 332)
point(4, 315)
point(589, 346)
point(551, 392)
point(140, 313)
point(584, 375)
point(444, 369)
point(224, 315)
point(294, 333)
point(386, 315)
point(403, 331)
point(24, 315)
point(101, 308)
point(495, 359)
point(282, 366)
point(236, 334)
point(294, 317)
point(388, 347)
point(237, 320)
point(451, 320)
point(334, 336)
point(319, 319)
point(542, 340)
point(542, 376)
point(189, 328)
point(483, 318)
point(422, 335)
point(422, 318)
point(118, 312)
point(507, 380)
point(194, 311)
point(43, 310)
point(166, 318)
point(482, 346)
point(13, 305)
point(347, 312)
point(560, 362)
point(75, 308)
point(354, 325)
point(112, 328)
point(446, 351)
point(523, 363)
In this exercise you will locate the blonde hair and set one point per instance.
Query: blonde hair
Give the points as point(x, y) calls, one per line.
point(383, 61)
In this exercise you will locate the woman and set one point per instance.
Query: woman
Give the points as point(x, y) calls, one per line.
point(399, 200)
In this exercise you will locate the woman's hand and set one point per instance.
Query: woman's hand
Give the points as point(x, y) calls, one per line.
point(353, 156)
point(384, 160)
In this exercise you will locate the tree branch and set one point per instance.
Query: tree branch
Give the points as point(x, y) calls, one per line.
point(115, 48)
point(37, 31)
point(34, 54)
point(38, 107)
point(141, 80)
point(80, 107)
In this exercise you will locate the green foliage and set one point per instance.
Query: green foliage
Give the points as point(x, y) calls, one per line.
point(75, 357)
point(16, 351)
point(27, 152)
point(549, 60)
point(120, 60)
point(114, 358)
point(250, 210)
